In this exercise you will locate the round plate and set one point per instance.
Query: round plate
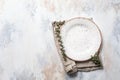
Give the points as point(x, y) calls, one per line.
point(81, 38)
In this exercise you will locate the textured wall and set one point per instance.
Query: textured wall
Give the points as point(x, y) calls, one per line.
point(27, 47)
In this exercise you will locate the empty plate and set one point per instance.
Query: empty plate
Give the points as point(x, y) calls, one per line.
point(81, 38)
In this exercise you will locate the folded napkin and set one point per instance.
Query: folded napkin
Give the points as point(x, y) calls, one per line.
point(70, 65)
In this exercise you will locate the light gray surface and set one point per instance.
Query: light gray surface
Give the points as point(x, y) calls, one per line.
point(27, 47)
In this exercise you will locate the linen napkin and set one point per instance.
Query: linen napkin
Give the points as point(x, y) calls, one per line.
point(70, 65)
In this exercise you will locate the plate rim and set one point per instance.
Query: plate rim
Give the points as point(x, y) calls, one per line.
point(91, 20)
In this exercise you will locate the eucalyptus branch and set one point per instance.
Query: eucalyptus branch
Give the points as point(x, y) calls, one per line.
point(96, 60)
point(57, 26)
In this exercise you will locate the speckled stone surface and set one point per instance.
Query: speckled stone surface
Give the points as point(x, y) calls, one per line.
point(27, 47)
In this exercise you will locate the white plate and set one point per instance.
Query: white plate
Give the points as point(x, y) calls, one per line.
point(81, 38)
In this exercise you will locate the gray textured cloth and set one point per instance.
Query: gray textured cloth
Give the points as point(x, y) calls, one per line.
point(72, 66)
